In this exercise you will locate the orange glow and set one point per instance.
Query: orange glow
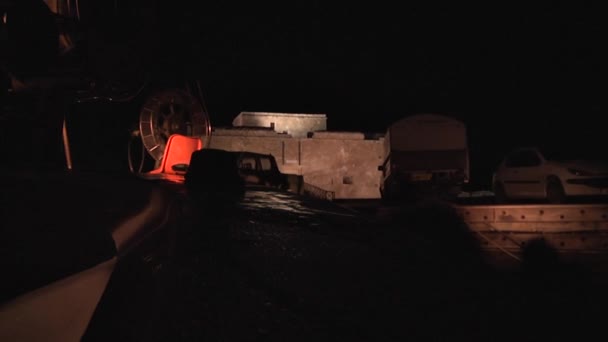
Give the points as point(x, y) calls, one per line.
point(66, 147)
point(178, 151)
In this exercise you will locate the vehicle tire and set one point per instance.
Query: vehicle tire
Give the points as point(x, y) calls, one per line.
point(555, 192)
point(500, 196)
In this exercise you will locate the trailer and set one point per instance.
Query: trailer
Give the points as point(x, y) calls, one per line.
point(424, 152)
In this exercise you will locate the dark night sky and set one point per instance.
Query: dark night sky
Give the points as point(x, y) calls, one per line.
point(515, 75)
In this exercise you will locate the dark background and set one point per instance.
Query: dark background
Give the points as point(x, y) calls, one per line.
point(515, 75)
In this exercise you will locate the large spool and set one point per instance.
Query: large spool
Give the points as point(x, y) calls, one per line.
point(167, 112)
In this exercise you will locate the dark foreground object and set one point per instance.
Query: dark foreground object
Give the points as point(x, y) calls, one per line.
point(277, 267)
point(56, 224)
point(270, 265)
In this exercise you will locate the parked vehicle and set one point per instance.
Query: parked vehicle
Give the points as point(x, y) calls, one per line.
point(425, 152)
point(215, 171)
point(554, 175)
point(260, 169)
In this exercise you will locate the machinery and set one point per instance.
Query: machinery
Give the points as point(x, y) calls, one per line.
point(164, 113)
point(112, 69)
point(164, 110)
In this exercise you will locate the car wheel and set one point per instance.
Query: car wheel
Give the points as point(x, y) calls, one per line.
point(555, 192)
point(500, 195)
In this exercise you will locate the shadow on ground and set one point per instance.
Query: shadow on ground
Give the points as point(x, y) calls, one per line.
point(271, 275)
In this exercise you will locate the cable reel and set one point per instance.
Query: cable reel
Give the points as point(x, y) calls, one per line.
point(166, 112)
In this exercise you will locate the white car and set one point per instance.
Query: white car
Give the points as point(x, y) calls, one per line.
point(529, 173)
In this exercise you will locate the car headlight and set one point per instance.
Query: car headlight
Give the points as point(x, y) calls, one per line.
point(579, 172)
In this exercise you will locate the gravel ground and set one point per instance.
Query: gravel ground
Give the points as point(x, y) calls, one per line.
point(310, 271)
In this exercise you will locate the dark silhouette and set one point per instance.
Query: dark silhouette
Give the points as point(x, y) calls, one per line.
point(557, 291)
point(213, 180)
point(540, 259)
